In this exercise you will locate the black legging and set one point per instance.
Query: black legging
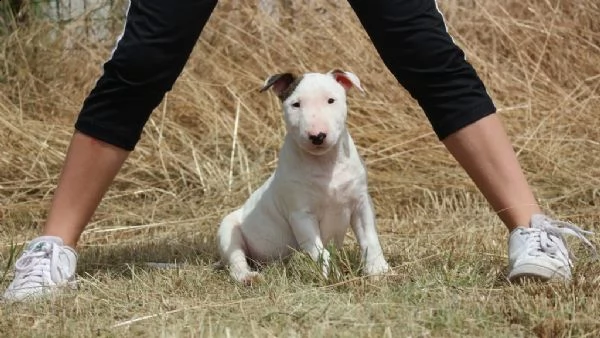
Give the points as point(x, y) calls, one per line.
point(409, 35)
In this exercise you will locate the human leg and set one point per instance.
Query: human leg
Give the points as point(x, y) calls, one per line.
point(484, 150)
point(89, 169)
point(149, 56)
point(412, 39)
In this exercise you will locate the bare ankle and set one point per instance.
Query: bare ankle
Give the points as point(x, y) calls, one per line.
point(514, 217)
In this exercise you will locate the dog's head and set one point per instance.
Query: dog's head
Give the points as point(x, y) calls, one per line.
point(314, 105)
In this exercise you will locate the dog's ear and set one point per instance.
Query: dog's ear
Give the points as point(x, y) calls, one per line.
point(280, 83)
point(346, 79)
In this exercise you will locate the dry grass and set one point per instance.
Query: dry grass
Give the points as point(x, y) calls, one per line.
point(541, 62)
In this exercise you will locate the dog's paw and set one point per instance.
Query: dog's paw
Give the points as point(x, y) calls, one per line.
point(325, 261)
point(248, 278)
point(377, 268)
point(218, 265)
point(325, 271)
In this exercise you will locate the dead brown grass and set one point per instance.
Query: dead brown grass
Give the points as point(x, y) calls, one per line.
point(541, 63)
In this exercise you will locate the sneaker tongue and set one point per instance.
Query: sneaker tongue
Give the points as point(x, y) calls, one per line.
point(38, 243)
point(537, 220)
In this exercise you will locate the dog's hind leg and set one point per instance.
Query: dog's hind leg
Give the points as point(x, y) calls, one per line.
point(232, 248)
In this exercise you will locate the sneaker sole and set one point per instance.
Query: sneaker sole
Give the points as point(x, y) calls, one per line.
point(536, 273)
point(53, 292)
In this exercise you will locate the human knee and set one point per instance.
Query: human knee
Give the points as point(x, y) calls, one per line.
point(413, 42)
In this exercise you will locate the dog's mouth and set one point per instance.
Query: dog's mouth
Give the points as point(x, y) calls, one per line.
point(319, 149)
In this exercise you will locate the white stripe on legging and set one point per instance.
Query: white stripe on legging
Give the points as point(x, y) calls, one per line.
point(445, 26)
point(118, 38)
point(122, 32)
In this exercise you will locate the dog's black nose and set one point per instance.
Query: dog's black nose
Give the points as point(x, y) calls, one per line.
point(317, 139)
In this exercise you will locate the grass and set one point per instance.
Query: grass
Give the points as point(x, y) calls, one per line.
point(540, 61)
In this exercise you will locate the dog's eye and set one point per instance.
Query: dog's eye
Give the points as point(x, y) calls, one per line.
point(296, 104)
point(330, 101)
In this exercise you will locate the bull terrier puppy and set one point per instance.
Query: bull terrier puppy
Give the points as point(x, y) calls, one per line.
point(318, 190)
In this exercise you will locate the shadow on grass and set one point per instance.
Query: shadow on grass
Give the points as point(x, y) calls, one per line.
point(166, 253)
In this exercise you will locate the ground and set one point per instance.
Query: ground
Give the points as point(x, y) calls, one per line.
point(215, 138)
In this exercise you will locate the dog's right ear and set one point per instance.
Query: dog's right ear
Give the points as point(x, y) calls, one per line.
point(280, 83)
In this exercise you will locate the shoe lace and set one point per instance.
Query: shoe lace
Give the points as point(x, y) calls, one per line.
point(36, 265)
point(546, 236)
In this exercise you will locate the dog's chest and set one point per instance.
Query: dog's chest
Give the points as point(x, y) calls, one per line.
point(335, 201)
point(342, 191)
point(335, 206)
point(337, 189)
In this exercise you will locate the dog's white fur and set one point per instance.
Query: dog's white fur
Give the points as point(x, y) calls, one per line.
point(316, 192)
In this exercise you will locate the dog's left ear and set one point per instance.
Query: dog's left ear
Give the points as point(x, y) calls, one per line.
point(280, 83)
point(346, 79)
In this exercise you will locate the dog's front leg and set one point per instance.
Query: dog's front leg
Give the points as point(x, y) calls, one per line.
point(308, 236)
point(363, 225)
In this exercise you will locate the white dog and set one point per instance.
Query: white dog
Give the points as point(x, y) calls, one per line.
point(317, 191)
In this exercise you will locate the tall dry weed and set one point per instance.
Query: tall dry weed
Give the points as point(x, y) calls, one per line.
point(539, 59)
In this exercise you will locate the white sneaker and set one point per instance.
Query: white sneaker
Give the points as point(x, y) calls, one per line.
point(45, 267)
point(540, 251)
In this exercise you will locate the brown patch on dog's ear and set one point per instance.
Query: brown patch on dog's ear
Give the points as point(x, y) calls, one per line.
point(280, 83)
